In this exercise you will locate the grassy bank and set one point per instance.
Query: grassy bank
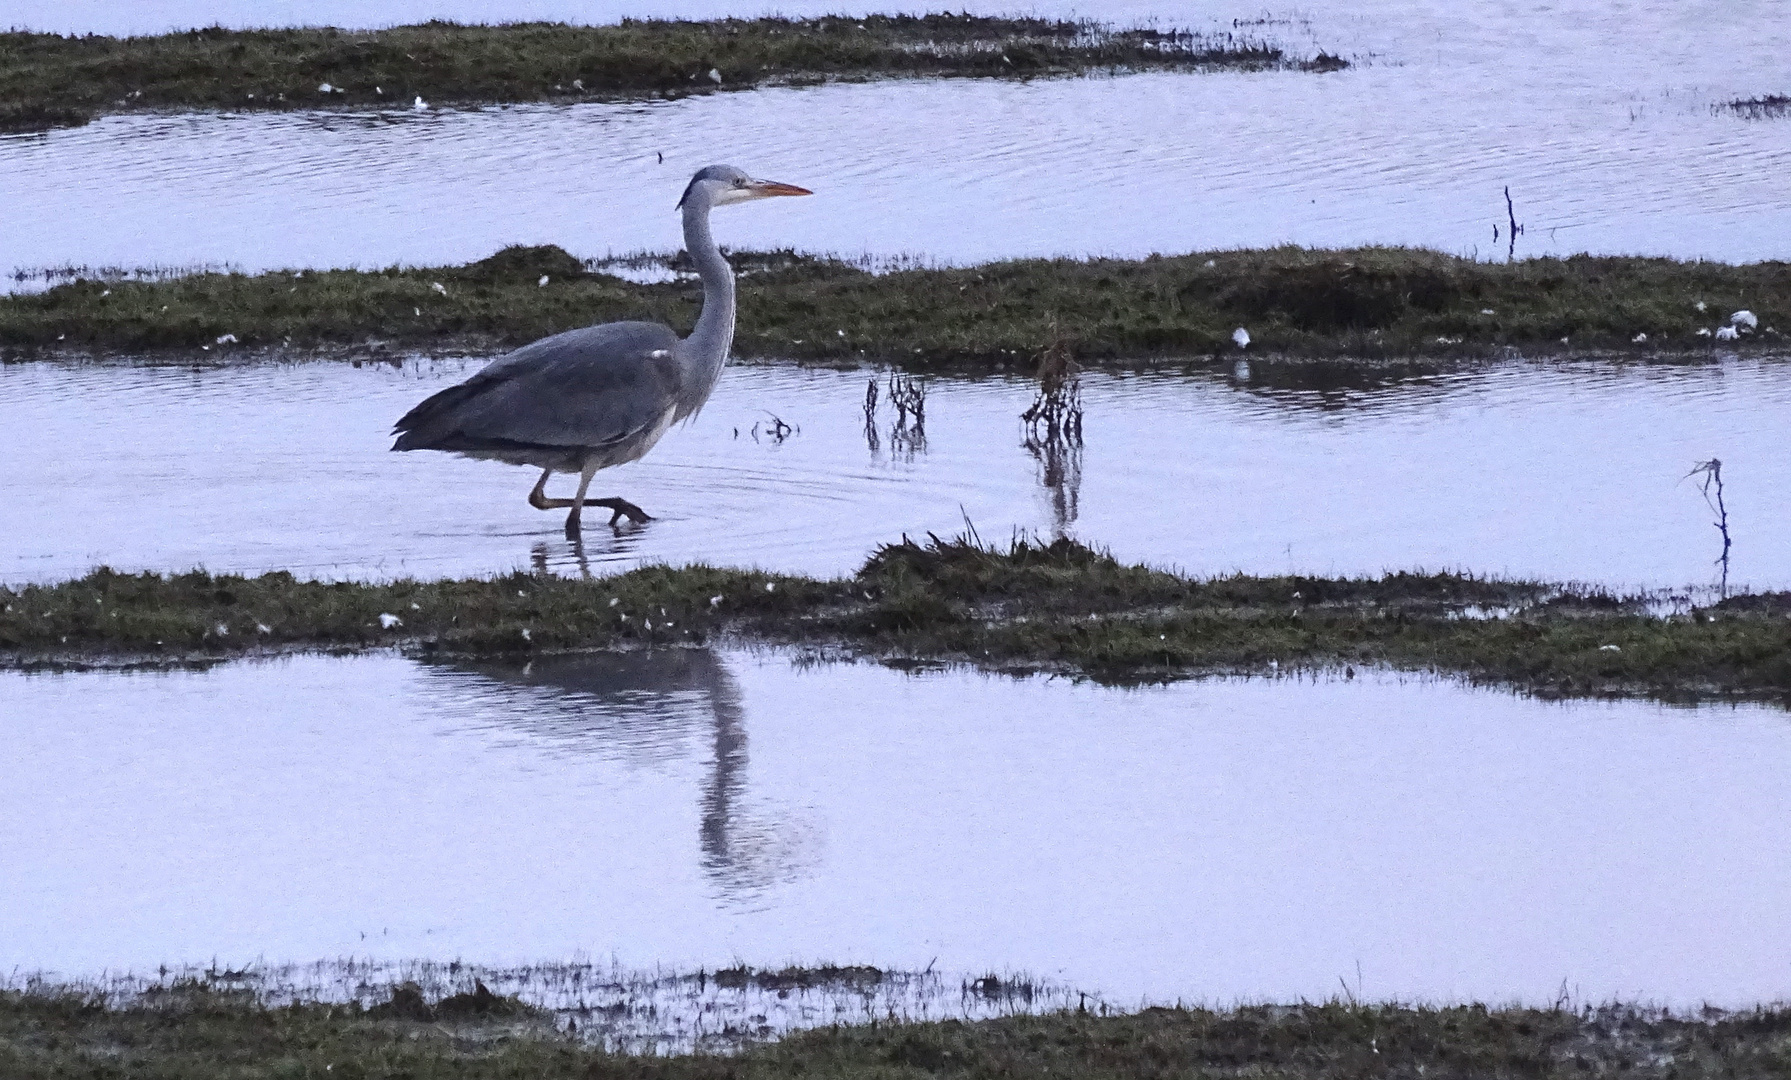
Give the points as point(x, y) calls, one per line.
point(1061, 607)
point(199, 1033)
point(1364, 302)
point(47, 79)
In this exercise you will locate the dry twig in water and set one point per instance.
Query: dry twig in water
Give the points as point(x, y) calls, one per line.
point(1712, 473)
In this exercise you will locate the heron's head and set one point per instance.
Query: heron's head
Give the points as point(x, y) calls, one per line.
point(720, 185)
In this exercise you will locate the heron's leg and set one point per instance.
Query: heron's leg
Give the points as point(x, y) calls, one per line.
point(578, 501)
point(619, 508)
point(538, 497)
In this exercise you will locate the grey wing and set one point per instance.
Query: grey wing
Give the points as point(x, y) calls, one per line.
point(596, 387)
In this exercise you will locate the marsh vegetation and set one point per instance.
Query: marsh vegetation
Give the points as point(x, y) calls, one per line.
point(200, 1030)
point(591, 1005)
point(50, 80)
point(1372, 303)
point(1026, 607)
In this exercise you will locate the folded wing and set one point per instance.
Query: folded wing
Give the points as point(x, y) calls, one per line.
point(597, 388)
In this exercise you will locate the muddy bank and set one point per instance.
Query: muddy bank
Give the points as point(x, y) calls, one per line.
point(48, 80)
point(1029, 607)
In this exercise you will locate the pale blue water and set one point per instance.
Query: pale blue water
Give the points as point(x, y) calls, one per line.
point(1562, 473)
point(1215, 841)
point(1598, 116)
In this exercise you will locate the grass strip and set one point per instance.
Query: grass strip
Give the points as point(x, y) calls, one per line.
point(1029, 607)
point(1362, 302)
point(199, 1033)
point(48, 79)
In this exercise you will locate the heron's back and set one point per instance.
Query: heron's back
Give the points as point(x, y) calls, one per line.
point(607, 391)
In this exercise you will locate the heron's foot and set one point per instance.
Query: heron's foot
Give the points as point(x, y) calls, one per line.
point(621, 508)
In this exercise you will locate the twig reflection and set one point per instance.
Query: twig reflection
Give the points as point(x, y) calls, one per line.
point(908, 434)
point(909, 396)
point(1052, 432)
point(871, 441)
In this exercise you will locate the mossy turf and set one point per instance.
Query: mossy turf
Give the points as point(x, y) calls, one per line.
point(47, 79)
point(1364, 302)
point(1059, 607)
point(197, 1033)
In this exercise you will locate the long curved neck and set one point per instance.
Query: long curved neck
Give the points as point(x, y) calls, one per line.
point(708, 344)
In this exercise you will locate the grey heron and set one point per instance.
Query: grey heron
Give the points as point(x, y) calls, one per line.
point(599, 396)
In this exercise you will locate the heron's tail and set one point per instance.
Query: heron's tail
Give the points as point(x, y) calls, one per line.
point(432, 422)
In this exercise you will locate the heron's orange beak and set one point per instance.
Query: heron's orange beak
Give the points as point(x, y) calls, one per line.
point(771, 187)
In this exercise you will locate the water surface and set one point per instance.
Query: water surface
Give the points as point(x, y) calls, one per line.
point(1210, 841)
point(1599, 118)
point(1559, 472)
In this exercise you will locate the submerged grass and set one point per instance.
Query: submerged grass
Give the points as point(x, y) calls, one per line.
point(1372, 303)
point(1765, 107)
point(202, 1033)
point(47, 79)
point(628, 1011)
point(1059, 607)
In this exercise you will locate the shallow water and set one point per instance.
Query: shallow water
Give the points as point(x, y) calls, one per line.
point(1572, 472)
point(1600, 119)
point(1219, 840)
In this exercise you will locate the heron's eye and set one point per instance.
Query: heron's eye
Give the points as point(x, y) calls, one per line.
point(739, 181)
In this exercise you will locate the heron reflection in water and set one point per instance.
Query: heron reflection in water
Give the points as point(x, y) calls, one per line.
point(647, 704)
point(603, 395)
